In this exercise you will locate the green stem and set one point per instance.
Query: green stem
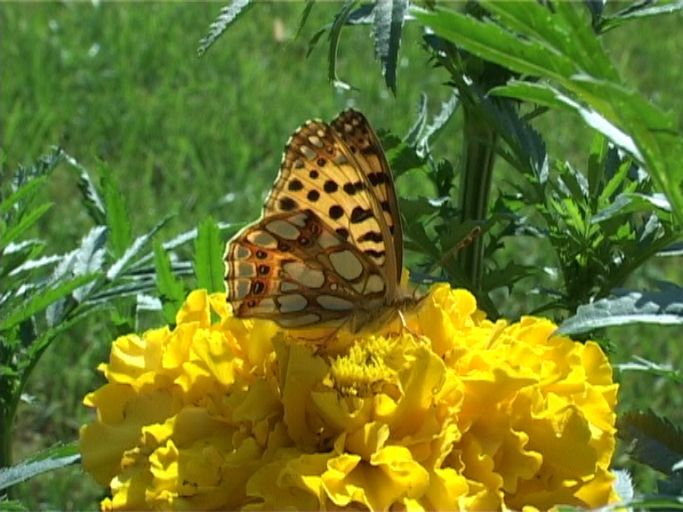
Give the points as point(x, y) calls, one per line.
point(6, 437)
point(475, 184)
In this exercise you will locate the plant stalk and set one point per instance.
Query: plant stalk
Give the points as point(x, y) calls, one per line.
point(475, 184)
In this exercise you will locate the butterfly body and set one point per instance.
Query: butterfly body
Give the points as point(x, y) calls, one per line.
point(328, 246)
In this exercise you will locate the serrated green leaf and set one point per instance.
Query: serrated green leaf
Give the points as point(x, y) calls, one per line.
point(403, 158)
point(615, 183)
point(208, 259)
point(632, 202)
point(533, 92)
point(171, 289)
point(90, 254)
point(432, 130)
point(168, 285)
point(40, 300)
point(19, 257)
point(118, 222)
point(388, 25)
point(419, 123)
point(664, 307)
point(92, 200)
point(418, 240)
point(47, 460)
point(22, 193)
point(562, 30)
point(655, 441)
point(495, 43)
point(140, 242)
point(593, 90)
point(89, 258)
point(225, 18)
point(416, 208)
point(14, 231)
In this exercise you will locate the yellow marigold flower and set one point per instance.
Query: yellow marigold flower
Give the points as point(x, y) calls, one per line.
point(451, 412)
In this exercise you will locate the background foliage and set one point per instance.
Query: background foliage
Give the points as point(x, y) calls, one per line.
point(120, 88)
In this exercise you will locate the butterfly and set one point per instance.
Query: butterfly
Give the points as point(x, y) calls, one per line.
point(328, 247)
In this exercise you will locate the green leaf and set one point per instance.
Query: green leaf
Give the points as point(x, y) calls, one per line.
point(16, 230)
point(639, 10)
point(630, 203)
point(119, 292)
point(402, 157)
point(664, 307)
point(561, 30)
point(654, 441)
point(47, 460)
point(533, 92)
point(419, 123)
point(432, 130)
point(304, 16)
point(91, 196)
point(118, 222)
point(22, 193)
point(133, 250)
point(12, 505)
point(388, 24)
point(16, 259)
point(493, 42)
point(640, 364)
point(39, 300)
point(561, 48)
point(208, 259)
point(171, 289)
point(335, 34)
point(225, 18)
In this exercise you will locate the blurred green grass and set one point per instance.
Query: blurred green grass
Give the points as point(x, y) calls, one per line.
point(120, 85)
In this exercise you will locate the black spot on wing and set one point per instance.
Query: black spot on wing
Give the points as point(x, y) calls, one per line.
point(359, 214)
point(295, 185)
point(336, 211)
point(373, 236)
point(287, 204)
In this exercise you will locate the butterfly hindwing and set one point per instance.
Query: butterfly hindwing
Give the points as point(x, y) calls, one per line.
point(293, 268)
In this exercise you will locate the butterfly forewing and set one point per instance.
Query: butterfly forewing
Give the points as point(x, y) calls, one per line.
point(341, 174)
point(359, 136)
point(328, 244)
